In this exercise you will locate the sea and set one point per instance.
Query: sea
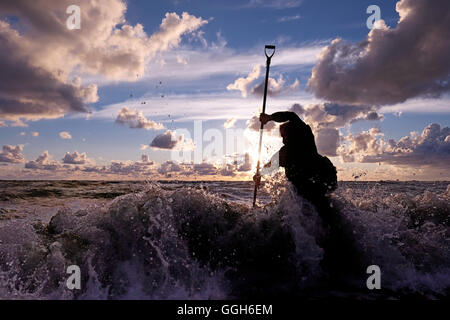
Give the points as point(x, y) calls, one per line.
point(204, 240)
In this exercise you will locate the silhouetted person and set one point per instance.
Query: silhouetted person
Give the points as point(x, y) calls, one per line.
point(312, 175)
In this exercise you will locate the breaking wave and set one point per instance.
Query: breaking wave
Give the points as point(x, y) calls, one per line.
point(190, 243)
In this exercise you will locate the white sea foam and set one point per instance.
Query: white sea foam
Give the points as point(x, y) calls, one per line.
point(188, 242)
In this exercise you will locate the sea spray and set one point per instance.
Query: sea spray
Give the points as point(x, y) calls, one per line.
point(189, 242)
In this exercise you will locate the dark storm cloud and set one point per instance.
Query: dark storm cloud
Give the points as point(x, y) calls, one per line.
point(37, 65)
point(344, 114)
point(30, 91)
point(390, 65)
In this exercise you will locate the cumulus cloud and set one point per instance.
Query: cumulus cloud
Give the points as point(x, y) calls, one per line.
point(38, 63)
point(12, 154)
point(43, 162)
point(361, 144)
point(30, 91)
point(169, 167)
point(255, 125)
point(78, 165)
point(65, 135)
point(145, 159)
point(75, 158)
point(275, 87)
point(136, 120)
point(144, 168)
point(297, 108)
point(172, 28)
point(204, 169)
point(165, 140)
point(431, 148)
point(390, 65)
point(229, 123)
point(128, 168)
point(244, 84)
point(326, 118)
point(227, 171)
point(334, 115)
point(170, 141)
point(35, 134)
point(327, 141)
point(172, 169)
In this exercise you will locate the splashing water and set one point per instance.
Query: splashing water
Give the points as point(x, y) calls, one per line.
point(192, 243)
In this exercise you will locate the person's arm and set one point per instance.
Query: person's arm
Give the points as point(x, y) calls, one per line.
point(284, 116)
point(281, 116)
point(268, 168)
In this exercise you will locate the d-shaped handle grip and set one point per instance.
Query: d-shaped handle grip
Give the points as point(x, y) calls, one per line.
point(267, 51)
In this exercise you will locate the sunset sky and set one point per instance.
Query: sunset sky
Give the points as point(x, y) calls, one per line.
point(141, 80)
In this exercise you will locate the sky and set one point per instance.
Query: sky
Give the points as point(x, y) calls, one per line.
point(172, 89)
